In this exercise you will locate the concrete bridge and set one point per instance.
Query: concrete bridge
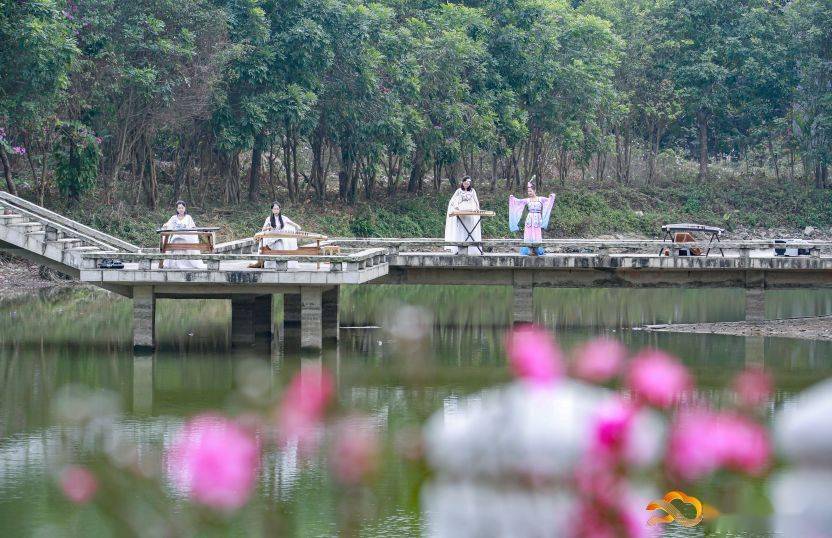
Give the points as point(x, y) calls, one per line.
point(310, 284)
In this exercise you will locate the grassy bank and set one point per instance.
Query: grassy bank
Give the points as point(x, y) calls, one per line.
point(580, 211)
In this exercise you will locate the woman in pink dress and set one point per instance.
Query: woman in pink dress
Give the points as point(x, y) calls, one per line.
point(539, 211)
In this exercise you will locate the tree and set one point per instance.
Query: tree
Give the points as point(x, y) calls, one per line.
point(37, 51)
point(811, 24)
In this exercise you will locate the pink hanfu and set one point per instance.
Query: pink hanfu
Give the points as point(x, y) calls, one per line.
point(540, 209)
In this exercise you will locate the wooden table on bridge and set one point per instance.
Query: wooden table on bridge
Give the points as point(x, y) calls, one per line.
point(310, 250)
point(712, 232)
point(205, 236)
point(471, 213)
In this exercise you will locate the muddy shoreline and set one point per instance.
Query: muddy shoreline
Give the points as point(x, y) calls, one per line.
point(812, 328)
point(20, 277)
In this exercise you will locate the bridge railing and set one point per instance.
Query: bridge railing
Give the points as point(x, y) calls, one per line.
point(348, 261)
point(64, 224)
point(588, 246)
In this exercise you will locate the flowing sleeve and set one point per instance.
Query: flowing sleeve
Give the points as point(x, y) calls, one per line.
point(515, 211)
point(191, 223)
point(289, 222)
point(169, 224)
point(548, 205)
point(452, 203)
point(476, 199)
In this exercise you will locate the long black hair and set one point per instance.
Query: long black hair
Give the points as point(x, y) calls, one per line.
point(279, 217)
point(462, 183)
point(176, 205)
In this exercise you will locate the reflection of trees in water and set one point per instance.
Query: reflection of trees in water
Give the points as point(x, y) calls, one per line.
point(469, 306)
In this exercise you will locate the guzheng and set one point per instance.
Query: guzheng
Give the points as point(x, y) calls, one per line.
point(186, 231)
point(274, 234)
point(472, 213)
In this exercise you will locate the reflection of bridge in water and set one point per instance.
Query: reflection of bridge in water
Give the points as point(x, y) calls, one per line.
point(310, 284)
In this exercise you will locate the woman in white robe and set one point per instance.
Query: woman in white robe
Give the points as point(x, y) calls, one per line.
point(464, 199)
point(276, 222)
point(182, 221)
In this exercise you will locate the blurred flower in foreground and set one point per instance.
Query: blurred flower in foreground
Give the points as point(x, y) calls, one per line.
point(78, 484)
point(753, 386)
point(627, 433)
point(355, 451)
point(800, 493)
point(215, 461)
point(533, 355)
point(303, 406)
point(657, 378)
point(703, 441)
point(600, 360)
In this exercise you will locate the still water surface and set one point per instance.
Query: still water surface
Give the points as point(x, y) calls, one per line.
point(83, 337)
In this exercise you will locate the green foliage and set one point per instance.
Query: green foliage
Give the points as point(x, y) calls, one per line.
point(76, 159)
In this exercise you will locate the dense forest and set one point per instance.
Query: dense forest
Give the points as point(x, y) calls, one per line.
point(147, 101)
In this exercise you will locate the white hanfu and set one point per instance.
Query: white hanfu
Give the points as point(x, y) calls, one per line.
point(184, 223)
point(454, 231)
point(281, 243)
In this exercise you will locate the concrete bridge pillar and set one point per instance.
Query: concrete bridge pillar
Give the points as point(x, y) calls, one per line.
point(311, 319)
point(523, 310)
point(263, 316)
point(242, 320)
point(755, 304)
point(144, 318)
point(522, 298)
point(291, 310)
point(329, 314)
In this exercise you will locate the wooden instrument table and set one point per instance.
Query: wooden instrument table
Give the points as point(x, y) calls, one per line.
point(471, 213)
point(205, 236)
point(309, 250)
point(713, 232)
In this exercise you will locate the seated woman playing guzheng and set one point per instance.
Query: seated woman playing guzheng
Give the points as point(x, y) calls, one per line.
point(277, 222)
point(464, 199)
point(182, 221)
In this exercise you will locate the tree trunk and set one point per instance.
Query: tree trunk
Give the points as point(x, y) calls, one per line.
point(702, 120)
point(254, 173)
point(287, 167)
point(493, 172)
point(417, 171)
point(7, 172)
point(775, 160)
point(318, 173)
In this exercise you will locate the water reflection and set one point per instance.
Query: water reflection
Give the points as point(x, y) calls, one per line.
point(83, 337)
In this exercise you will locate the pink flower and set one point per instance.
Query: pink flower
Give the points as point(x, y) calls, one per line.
point(612, 425)
point(303, 405)
point(98, 140)
point(78, 484)
point(20, 150)
point(600, 360)
point(215, 461)
point(657, 378)
point(753, 386)
point(703, 441)
point(533, 355)
point(354, 452)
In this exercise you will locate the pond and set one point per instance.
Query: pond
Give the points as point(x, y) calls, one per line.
point(82, 336)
